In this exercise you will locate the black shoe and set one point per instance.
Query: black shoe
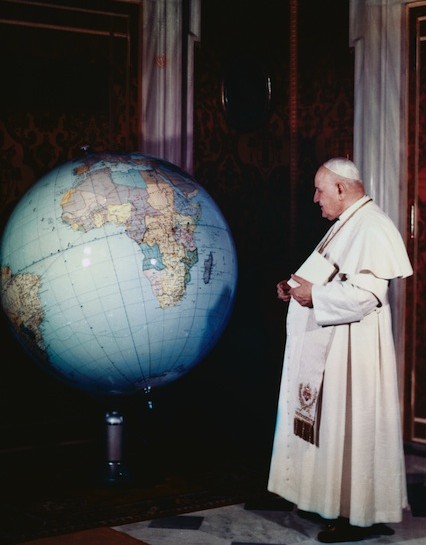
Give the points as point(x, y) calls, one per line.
point(381, 529)
point(314, 517)
point(339, 532)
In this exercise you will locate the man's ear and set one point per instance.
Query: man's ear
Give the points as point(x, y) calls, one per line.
point(341, 190)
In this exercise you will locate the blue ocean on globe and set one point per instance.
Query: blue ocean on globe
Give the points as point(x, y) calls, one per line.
point(118, 272)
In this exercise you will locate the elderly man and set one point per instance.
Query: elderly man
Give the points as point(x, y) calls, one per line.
point(338, 446)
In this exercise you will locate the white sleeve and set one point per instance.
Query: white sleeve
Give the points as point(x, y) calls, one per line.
point(343, 302)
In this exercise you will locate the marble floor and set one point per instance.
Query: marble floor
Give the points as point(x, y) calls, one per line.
point(274, 522)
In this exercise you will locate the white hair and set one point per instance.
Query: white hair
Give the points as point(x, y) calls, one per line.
point(343, 167)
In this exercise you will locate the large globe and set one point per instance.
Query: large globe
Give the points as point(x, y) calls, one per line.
point(119, 272)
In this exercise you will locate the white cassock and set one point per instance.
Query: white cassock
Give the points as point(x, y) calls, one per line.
point(356, 469)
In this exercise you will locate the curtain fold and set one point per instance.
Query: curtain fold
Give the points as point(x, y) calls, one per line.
point(375, 33)
point(378, 36)
point(169, 29)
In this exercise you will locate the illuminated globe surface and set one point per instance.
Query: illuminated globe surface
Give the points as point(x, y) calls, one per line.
point(118, 272)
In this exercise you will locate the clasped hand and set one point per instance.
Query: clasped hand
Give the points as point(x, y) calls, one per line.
point(302, 293)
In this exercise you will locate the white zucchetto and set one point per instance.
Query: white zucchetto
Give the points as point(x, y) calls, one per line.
point(343, 167)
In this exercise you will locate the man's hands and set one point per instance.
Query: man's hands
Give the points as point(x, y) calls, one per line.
point(283, 291)
point(302, 293)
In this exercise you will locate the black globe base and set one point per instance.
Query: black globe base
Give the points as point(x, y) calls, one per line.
point(116, 474)
point(114, 471)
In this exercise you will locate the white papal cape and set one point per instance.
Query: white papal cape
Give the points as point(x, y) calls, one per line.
point(357, 469)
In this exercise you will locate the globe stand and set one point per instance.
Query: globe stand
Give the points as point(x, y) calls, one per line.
point(115, 471)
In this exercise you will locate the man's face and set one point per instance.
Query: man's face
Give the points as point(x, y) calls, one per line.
point(327, 194)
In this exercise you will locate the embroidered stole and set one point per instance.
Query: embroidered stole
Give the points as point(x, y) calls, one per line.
point(313, 356)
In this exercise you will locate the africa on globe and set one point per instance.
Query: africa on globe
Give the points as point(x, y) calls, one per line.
point(118, 272)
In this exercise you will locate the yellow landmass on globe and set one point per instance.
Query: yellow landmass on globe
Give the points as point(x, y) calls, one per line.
point(21, 302)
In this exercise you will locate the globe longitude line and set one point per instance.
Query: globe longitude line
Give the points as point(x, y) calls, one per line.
point(177, 358)
point(192, 321)
point(143, 375)
point(118, 284)
point(62, 250)
point(85, 316)
point(95, 338)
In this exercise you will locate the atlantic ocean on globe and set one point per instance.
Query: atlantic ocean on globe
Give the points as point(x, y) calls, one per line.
point(118, 273)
